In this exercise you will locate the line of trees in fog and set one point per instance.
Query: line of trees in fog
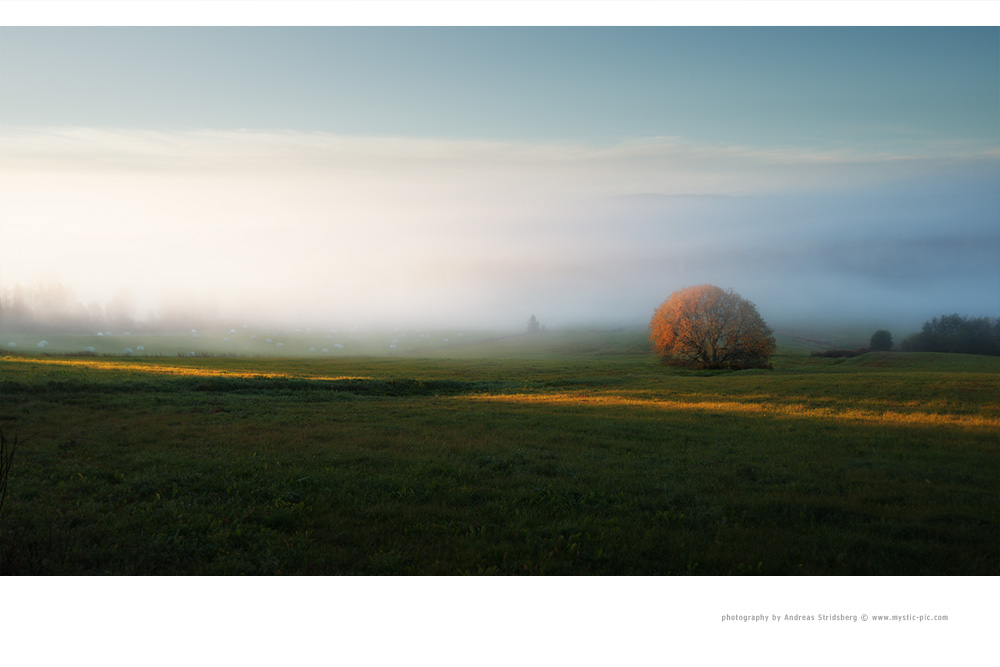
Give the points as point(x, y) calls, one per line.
point(954, 333)
point(51, 307)
point(948, 333)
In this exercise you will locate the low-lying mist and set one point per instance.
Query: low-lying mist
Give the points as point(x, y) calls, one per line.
point(311, 230)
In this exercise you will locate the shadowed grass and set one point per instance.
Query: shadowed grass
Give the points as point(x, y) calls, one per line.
point(564, 465)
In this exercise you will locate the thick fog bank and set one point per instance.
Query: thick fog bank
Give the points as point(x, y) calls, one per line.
point(310, 229)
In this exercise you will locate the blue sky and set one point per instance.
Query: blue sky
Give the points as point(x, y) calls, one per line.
point(487, 173)
point(885, 89)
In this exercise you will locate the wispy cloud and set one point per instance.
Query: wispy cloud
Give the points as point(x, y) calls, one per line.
point(666, 165)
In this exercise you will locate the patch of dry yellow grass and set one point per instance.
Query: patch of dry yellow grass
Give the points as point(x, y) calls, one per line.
point(751, 407)
point(166, 369)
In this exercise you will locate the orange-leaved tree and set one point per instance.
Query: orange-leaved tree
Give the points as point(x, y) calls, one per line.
point(708, 327)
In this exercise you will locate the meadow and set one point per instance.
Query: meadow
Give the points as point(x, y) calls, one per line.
point(553, 454)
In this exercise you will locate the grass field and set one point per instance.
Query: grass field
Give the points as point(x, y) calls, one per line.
point(553, 454)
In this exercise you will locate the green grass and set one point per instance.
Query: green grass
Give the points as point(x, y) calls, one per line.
point(569, 455)
point(254, 343)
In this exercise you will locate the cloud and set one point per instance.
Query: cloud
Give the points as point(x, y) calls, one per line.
point(663, 165)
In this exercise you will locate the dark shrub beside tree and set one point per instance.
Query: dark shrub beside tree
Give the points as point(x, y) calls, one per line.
point(838, 353)
point(881, 341)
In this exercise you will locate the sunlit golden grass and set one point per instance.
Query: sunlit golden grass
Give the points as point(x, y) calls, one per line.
point(745, 407)
point(160, 368)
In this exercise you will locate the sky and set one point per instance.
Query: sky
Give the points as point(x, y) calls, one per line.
point(473, 176)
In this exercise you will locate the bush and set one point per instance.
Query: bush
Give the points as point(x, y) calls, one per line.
point(839, 353)
point(881, 341)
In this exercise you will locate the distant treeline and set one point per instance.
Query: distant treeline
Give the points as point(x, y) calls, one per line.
point(50, 307)
point(948, 333)
point(954, 333)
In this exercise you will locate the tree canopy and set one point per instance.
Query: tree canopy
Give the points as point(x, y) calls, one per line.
point(881, 341)
point(708, 327)
point(954, 333)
